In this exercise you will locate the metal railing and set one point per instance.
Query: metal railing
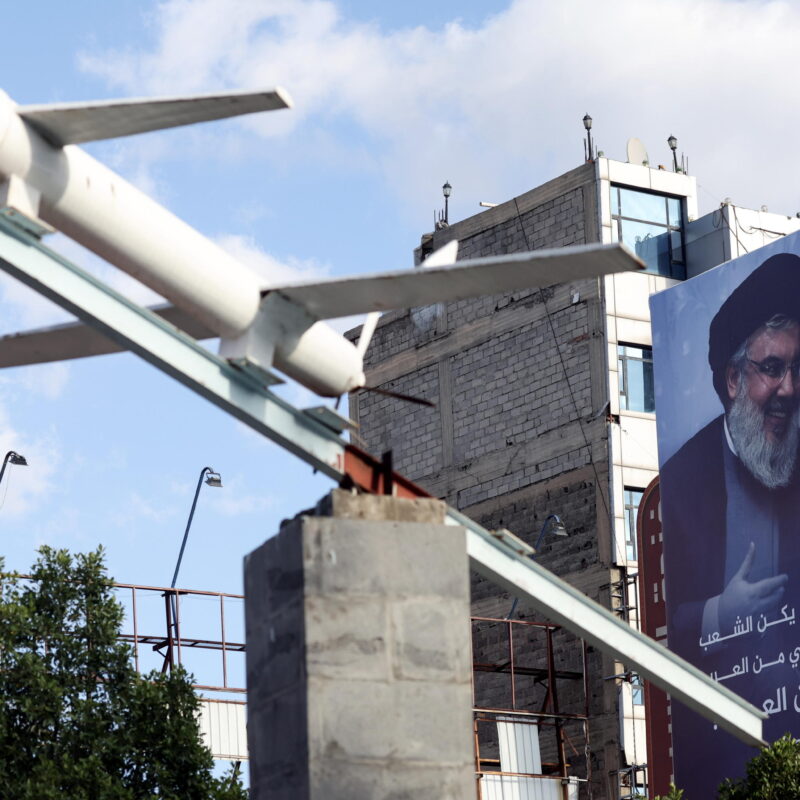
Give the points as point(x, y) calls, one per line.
point(171, 636)
point(522, 728)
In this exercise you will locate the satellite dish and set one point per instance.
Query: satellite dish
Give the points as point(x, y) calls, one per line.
point(636, 152)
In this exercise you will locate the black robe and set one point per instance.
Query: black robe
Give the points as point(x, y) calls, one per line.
point(694, 501)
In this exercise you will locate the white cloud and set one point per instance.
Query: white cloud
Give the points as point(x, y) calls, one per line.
point(271, 269)
point(139, 508)
point(233, 499)
point(23, 308)
point(48, 380)
point(497, 108)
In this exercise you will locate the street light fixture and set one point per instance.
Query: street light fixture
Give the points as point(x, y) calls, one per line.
point(552, 525)
point(212, 479)
point(587, 124)
point(673, 145)
point(12, 457)
point(447, 190)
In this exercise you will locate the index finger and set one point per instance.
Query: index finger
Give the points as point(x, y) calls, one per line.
point(769, 585)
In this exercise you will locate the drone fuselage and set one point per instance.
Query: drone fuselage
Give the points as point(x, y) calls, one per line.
point(74, 193)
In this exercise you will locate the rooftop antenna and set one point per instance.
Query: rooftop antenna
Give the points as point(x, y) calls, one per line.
point(588, 146)
point(637, 154)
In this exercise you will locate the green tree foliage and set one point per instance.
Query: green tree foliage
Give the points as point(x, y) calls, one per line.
point(673, 794)
point(76, 720)
point(774, 774)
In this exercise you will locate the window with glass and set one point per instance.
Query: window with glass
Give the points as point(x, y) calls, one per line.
point(652, 226)
point(637, 690)
point(635, 369)
point(633, 497)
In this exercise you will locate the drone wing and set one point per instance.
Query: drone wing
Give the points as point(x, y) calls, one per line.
point(72, 123)
point(76, 340)
point(341, 297)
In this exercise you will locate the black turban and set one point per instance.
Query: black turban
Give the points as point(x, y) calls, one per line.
point(773, 288)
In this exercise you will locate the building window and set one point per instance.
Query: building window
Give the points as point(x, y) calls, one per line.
point(635, 367)
point(632, 499)
point(637, 690)
point(652, 226)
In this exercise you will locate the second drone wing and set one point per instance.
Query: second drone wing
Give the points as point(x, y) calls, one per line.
point(339, 297)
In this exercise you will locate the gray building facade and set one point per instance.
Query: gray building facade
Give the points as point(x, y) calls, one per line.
point(544, 405)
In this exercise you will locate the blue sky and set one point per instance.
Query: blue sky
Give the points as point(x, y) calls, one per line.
point(391, 100)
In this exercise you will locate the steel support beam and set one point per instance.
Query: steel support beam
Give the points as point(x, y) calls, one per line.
point(562, 603)
point(243, 396)
point(169, 349)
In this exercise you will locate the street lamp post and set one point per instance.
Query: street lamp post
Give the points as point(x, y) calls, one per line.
point(15, 458)
point(587, 124)
point(447, 190)
point(173, 628)
point(212, 479)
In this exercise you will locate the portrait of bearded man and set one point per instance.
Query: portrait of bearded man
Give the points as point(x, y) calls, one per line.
point(730, 504)
point(731, 490)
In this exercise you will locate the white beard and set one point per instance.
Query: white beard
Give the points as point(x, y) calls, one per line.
point(770, 463)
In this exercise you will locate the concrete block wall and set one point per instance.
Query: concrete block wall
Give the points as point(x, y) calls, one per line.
point(358, 665)
point(505, 416)
point(515, 383)
point(510, 441)
point(410, 431)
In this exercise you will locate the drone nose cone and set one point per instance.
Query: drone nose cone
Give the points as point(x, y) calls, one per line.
point(357, 381)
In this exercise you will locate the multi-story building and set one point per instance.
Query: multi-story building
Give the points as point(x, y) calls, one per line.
point(544, 400)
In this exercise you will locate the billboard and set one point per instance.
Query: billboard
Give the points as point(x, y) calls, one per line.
point(726, 352)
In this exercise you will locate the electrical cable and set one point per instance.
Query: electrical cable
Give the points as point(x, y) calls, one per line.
point(736, 235)
point(566, 378)
point(580, 425)
point(773, 234)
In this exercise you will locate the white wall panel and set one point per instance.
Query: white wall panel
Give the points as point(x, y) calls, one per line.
point(223, 726)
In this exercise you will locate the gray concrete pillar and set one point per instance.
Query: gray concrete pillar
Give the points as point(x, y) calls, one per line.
point(358, 655)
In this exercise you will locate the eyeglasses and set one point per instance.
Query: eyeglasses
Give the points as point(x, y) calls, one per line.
point(774, 369)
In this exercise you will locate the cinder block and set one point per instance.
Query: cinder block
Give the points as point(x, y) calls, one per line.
point(359, 670)
point(359, 782)
point(401, 721)
point(346, 637)
point(427, 635)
